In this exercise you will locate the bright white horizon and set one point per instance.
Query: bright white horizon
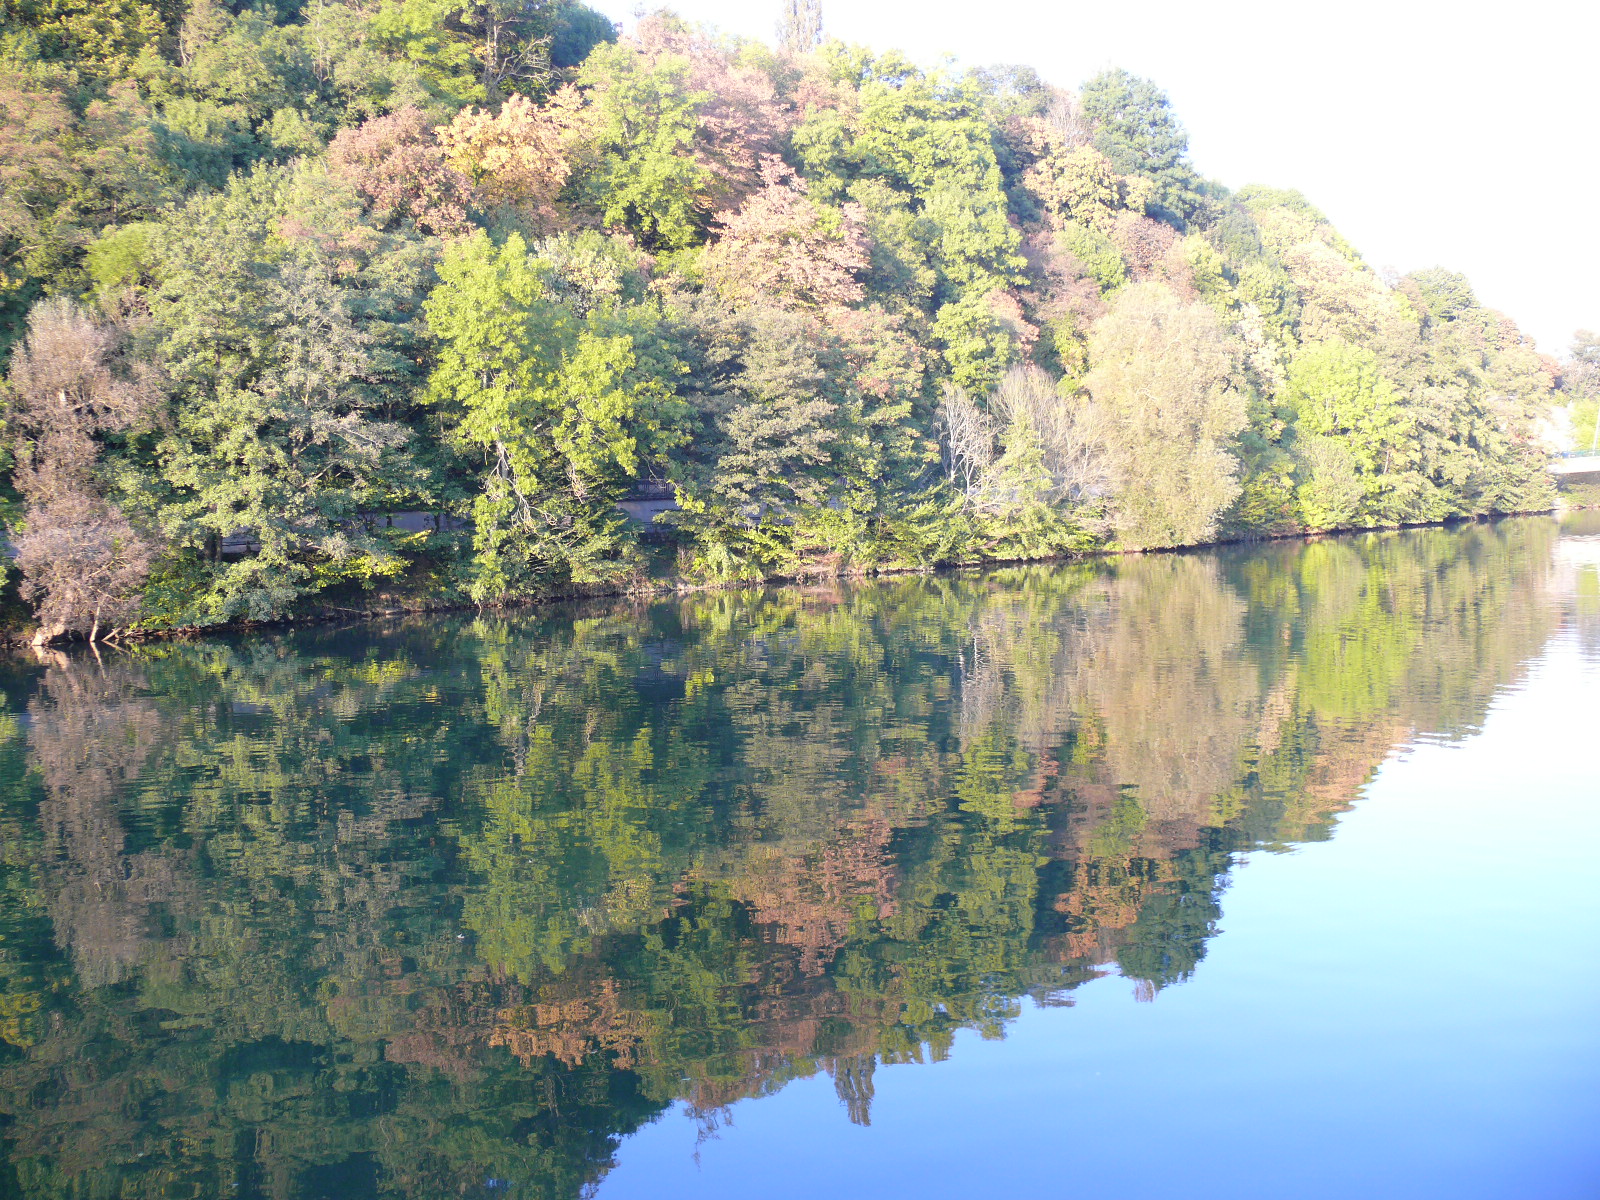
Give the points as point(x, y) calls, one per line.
point(1460, 136)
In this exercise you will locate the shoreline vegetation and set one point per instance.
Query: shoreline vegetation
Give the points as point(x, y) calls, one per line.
point(662, 588)
point(266, 272)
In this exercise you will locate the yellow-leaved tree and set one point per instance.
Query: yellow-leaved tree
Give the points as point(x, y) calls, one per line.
point(1168, 382)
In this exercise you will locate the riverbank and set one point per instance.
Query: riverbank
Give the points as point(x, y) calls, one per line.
point(402, 603)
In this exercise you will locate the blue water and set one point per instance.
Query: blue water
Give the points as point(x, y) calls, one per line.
point(1409, 1010)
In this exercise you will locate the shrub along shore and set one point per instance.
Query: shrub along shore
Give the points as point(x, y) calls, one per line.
point(265, 273)
point(374, 605)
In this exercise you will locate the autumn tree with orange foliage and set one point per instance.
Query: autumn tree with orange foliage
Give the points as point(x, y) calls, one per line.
point(520, 156)
point(782, 245)
point(401, 166)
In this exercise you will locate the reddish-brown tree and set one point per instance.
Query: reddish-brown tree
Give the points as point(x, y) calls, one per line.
point(82, 562)
point(782, 245)
point(742, 121)
point(398, 165)
point(82, 566)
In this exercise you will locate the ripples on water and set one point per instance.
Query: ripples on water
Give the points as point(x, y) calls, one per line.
point(449, 907)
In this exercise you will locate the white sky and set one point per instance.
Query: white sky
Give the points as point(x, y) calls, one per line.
point(1465, 135)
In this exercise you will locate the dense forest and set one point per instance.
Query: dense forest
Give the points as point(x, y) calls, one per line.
point(377, 304)
point(448, 907)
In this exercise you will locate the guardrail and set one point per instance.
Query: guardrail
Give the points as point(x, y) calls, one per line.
point(1575, 464)
point(643, 505)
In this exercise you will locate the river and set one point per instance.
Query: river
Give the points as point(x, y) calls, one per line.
point(1253, 872)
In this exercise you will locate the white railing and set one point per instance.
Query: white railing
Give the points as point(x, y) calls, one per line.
point(1576, 463)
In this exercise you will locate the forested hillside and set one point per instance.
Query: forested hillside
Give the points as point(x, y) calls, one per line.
point(350, 303)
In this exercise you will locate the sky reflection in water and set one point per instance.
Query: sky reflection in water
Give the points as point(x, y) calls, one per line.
point(454, 908)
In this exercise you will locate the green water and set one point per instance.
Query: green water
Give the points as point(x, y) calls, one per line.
point(1183, 874)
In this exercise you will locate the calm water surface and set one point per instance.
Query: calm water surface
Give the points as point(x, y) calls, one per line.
point(1259, 873)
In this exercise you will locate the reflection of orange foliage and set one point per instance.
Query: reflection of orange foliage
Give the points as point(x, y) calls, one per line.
point(1105, 901)
point(450, 1051)
point(1044, 777)
point(91, 735)
point(813, 899)
point(441, 1028)
point(786, 1028)
point(573, 1029)
point(1348, 759)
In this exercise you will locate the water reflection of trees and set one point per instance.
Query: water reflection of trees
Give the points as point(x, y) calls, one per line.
point(447, 908)
point(1579, 559)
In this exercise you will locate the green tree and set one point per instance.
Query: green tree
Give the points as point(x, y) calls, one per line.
point(1096, 253)
point(639, 175)
point(800, 26)
point(567, 410)
point(65, 176)
point(802, 437)
point(1580, 379)
point(1440, 294)
point(924, 137)
point(1352, 437)
point(1136, 129)
point(284, 354)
